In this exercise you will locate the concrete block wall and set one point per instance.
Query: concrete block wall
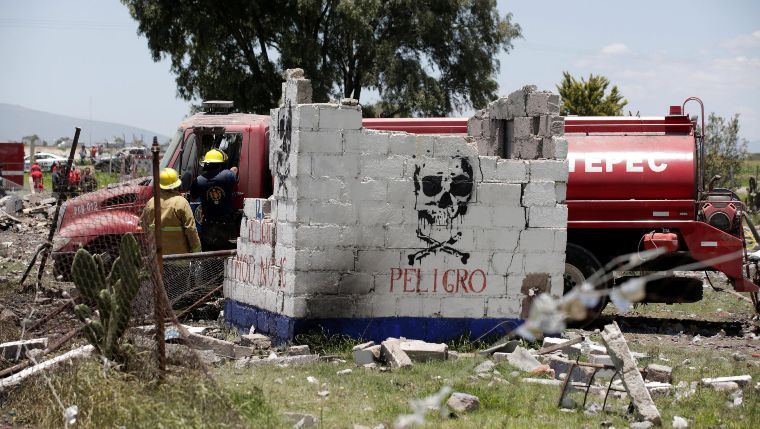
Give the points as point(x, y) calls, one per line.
point(377, 233)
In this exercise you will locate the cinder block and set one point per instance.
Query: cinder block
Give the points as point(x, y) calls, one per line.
point(333, 213)
point(330, 307)
point(402, 144)
point(325, 260)
point(324, 236)
point(500, 109)
point(321, 188)
point(384, 305)
point(346, 165)
point(368, 141)
point(355, 283)
point(550, 263)
point(380, 213)
point(370, 236)
point(285, 233)
point(533, 240)
point(306, 117)
point(508, 171)
point(539, 194)
point(321, 141)
point(368, 190)
point(378, 261)
point(557, 284)
point(380, 167)
point(294, 306)
point(401, 192)
point(560, 192)
point(542, 103)
point(525, 126)
point(401, 237)
point(470, 307)
point(479, 215)
point(296, 91)
point(498, 194)
point(316, 282)
point(332, 116)
point(411, 306)
point(554, 147)
point(557, 126)
point(502, 261)
point(516, 104)
point(496, 238)
point(549, 170)
point(560, 239)
point(547, 217)
point(257, 208)
point(475, 125)
point(503, 307)
point(425, 144)
point(511, 217)
point(526, 148)
point(452, 145)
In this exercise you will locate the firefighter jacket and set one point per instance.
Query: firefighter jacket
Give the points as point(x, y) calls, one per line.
point(178, 232)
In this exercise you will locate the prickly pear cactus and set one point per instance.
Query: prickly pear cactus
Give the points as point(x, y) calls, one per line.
point(112, 293)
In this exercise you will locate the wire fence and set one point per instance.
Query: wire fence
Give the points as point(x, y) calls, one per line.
point(103, 287)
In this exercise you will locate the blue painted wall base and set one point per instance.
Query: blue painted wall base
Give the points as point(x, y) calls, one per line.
point(433, 329)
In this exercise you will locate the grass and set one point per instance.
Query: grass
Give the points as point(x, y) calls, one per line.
point(103, 178)
point(257, 397)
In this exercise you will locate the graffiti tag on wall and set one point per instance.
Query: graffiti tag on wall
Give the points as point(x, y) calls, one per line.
point(441, 197)
point(284, 142)
point(459, 280)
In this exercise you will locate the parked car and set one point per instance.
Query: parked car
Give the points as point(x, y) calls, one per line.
point(44, 159)
point(112, 161)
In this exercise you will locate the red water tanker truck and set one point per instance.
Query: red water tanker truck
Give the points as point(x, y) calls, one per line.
point(635, 183)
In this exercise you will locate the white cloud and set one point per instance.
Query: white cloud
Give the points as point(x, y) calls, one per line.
point(724, 75)
point(615, 49)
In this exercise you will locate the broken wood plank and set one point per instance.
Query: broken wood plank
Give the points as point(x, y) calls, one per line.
point(16, 379)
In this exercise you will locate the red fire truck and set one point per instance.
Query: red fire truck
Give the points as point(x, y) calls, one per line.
point(12, 164)
point(635, 183)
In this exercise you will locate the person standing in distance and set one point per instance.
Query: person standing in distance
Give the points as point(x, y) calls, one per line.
point(215, 189)
point(178, 233)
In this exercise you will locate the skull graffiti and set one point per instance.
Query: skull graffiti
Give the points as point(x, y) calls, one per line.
point(441, 200)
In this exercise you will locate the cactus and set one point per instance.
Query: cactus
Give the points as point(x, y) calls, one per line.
point(111, 293)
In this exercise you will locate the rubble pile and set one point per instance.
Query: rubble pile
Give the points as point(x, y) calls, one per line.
point(30, 213)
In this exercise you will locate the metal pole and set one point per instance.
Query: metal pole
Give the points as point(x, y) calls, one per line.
point(158, 285)
point(54, 223)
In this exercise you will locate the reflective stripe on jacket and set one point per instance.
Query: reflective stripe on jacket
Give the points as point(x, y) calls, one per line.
point(178, 233)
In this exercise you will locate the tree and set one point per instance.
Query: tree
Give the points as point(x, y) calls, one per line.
point(27, 140)
point(424, 57)
point(724, 150)
point(586, 97)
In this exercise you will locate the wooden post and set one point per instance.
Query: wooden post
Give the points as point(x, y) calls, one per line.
point(158, 284)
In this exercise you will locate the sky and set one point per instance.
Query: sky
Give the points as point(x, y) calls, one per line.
point(84, 58)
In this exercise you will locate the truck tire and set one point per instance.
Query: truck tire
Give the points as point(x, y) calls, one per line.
point(580, 264)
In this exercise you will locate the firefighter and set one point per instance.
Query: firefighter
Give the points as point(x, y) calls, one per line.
point(178, 233)
point(215, 188)
point(36, 173)
point(58, 180)
point(88, 182)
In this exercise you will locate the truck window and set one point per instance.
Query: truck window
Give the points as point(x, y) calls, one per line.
point(229, 143)
point(188, 163)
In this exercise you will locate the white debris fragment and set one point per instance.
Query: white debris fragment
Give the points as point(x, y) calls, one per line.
point(312, 380)
point(680, 422)
point(344, 371)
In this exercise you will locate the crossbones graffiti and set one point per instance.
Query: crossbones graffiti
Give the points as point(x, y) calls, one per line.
point(441, 199)
point(282, 156)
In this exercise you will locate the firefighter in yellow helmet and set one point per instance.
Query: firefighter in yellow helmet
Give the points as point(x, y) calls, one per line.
point(215, 189)
point(178, 232)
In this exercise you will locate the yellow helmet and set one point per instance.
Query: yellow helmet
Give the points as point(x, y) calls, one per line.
point(213, 157)
point(169, 179)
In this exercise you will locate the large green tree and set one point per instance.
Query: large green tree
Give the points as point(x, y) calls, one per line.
point(427, 57)
point(587, 97)
point(724, 150)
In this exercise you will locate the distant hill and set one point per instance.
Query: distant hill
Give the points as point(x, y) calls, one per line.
point(17, 122)
point(753, 146)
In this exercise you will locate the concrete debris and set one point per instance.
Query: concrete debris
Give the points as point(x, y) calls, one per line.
point(345, 371)
point(17, 378)
point(680, 422)
point(463, 402)
point(312, 380)
point(656, 388)
point(257, 341)
point(393, 355)
point(617, 349)
point(324, 393)
point(300, 420)
point(737, 398)
point(661, 373)
point(367, 355)
point(299, 350)
point(285, 360)
point(723, 386)
point(684, 389)
point(363, 346)
point(741, 380)
point(507, 347)
point(641, 425)
point(544, 381)
point(485, 367)
point(575, 350)
point(222, 348)
point(421, 351)
point(17, 349)
point(520, 359)
point(562, 366)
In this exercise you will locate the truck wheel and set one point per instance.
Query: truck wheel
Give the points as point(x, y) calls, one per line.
point(580, 264)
